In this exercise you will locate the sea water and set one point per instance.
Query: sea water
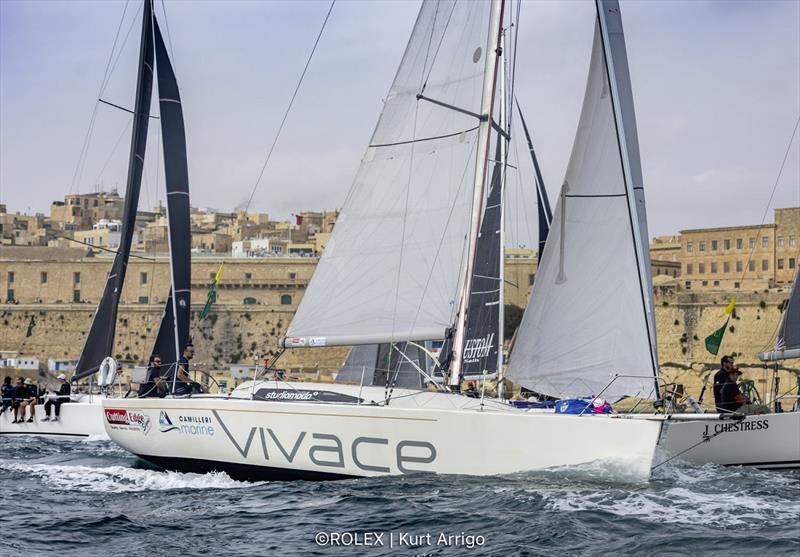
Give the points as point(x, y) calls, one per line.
point(92, 498)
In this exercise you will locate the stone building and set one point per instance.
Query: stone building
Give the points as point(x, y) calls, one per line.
point(82, 211)
point(742, 257)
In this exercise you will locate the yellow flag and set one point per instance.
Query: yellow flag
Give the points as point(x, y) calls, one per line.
point(729, 309)
point(219, 274)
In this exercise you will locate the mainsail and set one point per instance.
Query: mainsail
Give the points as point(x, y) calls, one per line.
point(590, 314)
point(542, 201)
point(787, 345)
point(100, 341)
point(381, 365)
point(173, 333)
point(393, 267)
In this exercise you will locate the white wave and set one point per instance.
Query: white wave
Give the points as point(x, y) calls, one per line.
point(96, 438)
point(116, 479)
point(679, 506)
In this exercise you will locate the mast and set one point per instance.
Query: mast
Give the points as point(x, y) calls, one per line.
point(481, 168)
point(100, 340)
point(504, 121)
point(608, 14)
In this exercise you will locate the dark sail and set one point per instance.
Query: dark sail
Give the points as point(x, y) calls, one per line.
point(787, 344)
point(379, 366)
point(100, 342)
point(482, 336)
point(542, 202)
point(176, 316)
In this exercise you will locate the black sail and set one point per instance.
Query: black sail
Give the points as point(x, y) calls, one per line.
point(789, 331)
point(176, 317)
point(482, 337)
point(100, 342)
point(542, 202)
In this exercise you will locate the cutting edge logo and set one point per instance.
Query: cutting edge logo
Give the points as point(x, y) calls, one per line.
point(141, 419)
point(117, 416)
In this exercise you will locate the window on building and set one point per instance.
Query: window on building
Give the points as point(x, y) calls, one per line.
point(250, 301)
point(791, 240)
point(705, 283)
point(736, 285)
point(716, 283)
point(143, 279)
point(144, 300)
point(10, 295)
point(765, 241)
point(292, 276)
point(10, 277)
point(76, 296)
point(739, 267)
point(751, 265)
point(780, 241)
point(739, 243)
point(726, 267)
point(701, 245)
point(714, 245)
point(791, 263)
point(530, 279)
point(701, 268)
point(689, 247)
point(726, 244)
point(764, 264)
point(752, 243)
point(713, 267)
point(286, 300)
point(76, 277)
point(43, 277)
point(212, 275)
point(248, 276)
point(688, 285)
point(689, 268)
point(780, 263)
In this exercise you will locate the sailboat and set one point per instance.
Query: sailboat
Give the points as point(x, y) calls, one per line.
point(768, 441)
point(400, 267)
point(84, 416)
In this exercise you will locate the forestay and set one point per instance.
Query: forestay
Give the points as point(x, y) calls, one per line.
point(589, 314)
point(391, 270)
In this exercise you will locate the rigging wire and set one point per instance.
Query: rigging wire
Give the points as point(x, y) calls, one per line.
point(289, 107)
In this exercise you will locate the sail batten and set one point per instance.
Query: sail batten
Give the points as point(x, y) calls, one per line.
point(393, 266)
point(100, 340)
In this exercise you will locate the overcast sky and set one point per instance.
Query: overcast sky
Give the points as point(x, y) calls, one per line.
point(716, 87)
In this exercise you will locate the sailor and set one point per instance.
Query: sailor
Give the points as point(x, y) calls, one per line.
point(183, 384)
point(731, 398)
point(62, 396)
point(721, 378)
point(29, 395)
point(471, 391)
point(7, 392)
point(154, 384)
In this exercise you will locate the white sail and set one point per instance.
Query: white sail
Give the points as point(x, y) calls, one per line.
point(589, 314)
point(392, 268)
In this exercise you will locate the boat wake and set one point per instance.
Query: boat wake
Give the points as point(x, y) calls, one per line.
point(116, 479)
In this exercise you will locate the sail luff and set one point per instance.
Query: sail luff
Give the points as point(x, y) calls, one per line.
point(100, 340)
point(544, 212)
point(178, 205)
point(787, 342)
point(616, 59)
point(481, 170)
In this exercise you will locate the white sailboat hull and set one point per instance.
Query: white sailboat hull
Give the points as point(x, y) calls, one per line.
point(769, 441)
point(77, 420)
point(417, 432)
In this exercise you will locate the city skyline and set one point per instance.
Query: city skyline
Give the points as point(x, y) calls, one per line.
point(710, 152)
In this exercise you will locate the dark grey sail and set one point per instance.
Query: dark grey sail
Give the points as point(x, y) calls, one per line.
point(376, 365)
point(100, 341)
point(787, 345)
point(482, 337)
point(173, 334)
point(542, 202)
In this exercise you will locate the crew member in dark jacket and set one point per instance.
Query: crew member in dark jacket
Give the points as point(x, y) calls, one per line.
point(721, 378)
point(7, 393)
point(730, 396)
point(154, 384)
point(62, 396)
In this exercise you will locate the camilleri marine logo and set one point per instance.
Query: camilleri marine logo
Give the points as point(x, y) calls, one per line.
point(165, 424)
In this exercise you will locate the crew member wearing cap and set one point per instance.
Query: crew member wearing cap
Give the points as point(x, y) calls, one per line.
point(728, 397)
point(62, 396)
point(31, 394)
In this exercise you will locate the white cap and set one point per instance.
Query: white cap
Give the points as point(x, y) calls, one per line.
point(61, 376)
point(29, 381)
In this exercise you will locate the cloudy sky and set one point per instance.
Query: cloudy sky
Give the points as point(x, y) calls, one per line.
point(716, 86)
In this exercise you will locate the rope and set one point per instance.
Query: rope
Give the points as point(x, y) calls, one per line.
point(704, 440)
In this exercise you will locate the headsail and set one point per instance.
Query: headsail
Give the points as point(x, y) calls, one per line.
point(100, 341)
point(393, 266)
point(174, 330)
point(590, 314)
point(380, 365)
point(542, 201)
point(787, 345)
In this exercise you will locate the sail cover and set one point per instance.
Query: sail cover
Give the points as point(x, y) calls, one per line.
point(392, 268)
point(587, 316)
point(787, 345)
point(482, 335)
point(100, 341)
point(173, 333)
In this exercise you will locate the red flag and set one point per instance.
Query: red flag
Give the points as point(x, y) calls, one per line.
point(298, 219)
